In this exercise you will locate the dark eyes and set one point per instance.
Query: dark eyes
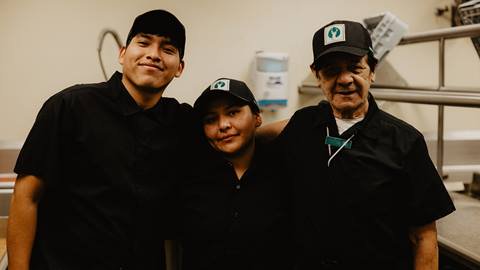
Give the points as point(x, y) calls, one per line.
point(233, 112)
point(331, 71)
point(142, 43)
point(170, 50)
point(356, 69)
point(209, 120)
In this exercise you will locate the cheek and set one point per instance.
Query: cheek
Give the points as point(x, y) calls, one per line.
point(172, 60)
point(209, 132)
point(363, 81)
point(327, 84)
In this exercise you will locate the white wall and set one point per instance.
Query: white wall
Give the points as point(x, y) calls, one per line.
point(51, 44)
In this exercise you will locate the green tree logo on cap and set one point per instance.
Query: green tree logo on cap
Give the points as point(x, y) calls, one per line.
point(222, 84)
point(219, 84)
point(334, 32)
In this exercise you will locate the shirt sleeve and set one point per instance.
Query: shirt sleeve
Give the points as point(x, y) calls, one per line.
point(428, 200)
point(288, 132)
point(40, 155)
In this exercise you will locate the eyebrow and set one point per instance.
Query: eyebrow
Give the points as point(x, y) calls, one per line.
point(228, 106)
point(165, 41)
point(143, 35)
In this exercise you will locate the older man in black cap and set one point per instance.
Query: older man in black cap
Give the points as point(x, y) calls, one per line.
point(95, 181)
point(366, 192)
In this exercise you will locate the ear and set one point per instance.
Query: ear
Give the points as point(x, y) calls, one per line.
point(315, 73)
point(318, 78)
point(180, 68)
point(121, 55)
point(372, 77)
point(258, 120)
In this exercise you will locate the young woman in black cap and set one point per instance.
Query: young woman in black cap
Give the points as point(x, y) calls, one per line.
point(235, 202)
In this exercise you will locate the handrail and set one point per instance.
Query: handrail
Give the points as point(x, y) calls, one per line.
point(472, 30)
point(428, 97)
point(445, 97)
point(459, 90)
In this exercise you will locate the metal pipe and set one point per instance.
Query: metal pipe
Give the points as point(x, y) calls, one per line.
point(459, 90)
point(447, 98)
point(441, 109)
point(102, 36)
point(472, 30)
point(427, 97)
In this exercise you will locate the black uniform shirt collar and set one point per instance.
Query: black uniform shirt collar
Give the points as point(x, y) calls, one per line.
point(325, 117)
point(128, 106)
point(220, 161)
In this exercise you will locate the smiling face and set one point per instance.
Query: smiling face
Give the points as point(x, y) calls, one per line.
point(345, 80)
point(229, 126)
point(150, 63)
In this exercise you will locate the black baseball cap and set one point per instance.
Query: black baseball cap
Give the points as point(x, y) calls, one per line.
point(226, 86)
point(161, 23)
point(341, 36)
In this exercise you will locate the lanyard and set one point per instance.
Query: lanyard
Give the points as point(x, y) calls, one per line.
point(345, 143)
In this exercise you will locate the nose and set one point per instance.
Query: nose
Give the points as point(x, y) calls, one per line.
point(224, 123)
point(345, 78)
point(153, 54)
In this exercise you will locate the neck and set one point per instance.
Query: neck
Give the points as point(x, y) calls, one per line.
point(241, 161)
point(351, 113)
point(145, 98)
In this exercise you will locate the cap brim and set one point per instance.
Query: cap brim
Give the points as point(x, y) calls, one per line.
point(343, 49)
point(208, 95)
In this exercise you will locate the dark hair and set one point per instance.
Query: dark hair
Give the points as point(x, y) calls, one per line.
point(372, 61)
point(201, 110)
point(161, 23)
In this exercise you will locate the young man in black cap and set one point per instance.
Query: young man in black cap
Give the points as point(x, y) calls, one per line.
point(94, 189)
point(235, 201)
point(366, 192)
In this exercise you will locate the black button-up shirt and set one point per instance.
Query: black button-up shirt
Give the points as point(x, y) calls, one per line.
point(231, 223)
point(109, 168)
point(356, 213)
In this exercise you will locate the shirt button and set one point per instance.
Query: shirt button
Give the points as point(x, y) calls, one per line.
point(237, 186)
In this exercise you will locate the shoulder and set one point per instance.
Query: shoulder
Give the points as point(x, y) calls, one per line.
point(311, 112)
point(401, 133)
point(174, 105)
point(306, 118)
point(182, 113)
point(81, 91)
point(398, 125)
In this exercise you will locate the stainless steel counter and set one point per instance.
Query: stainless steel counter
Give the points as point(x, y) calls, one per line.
point(459, 232)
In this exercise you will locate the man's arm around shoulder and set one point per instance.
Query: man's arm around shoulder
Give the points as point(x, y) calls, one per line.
point(270, 131)
point(425, 247)
point(22, 221)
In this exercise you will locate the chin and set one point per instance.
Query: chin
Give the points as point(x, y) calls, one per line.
point(152, 87)
point(227, 150)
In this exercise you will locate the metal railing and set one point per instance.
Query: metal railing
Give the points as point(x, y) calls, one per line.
point(440, 95)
